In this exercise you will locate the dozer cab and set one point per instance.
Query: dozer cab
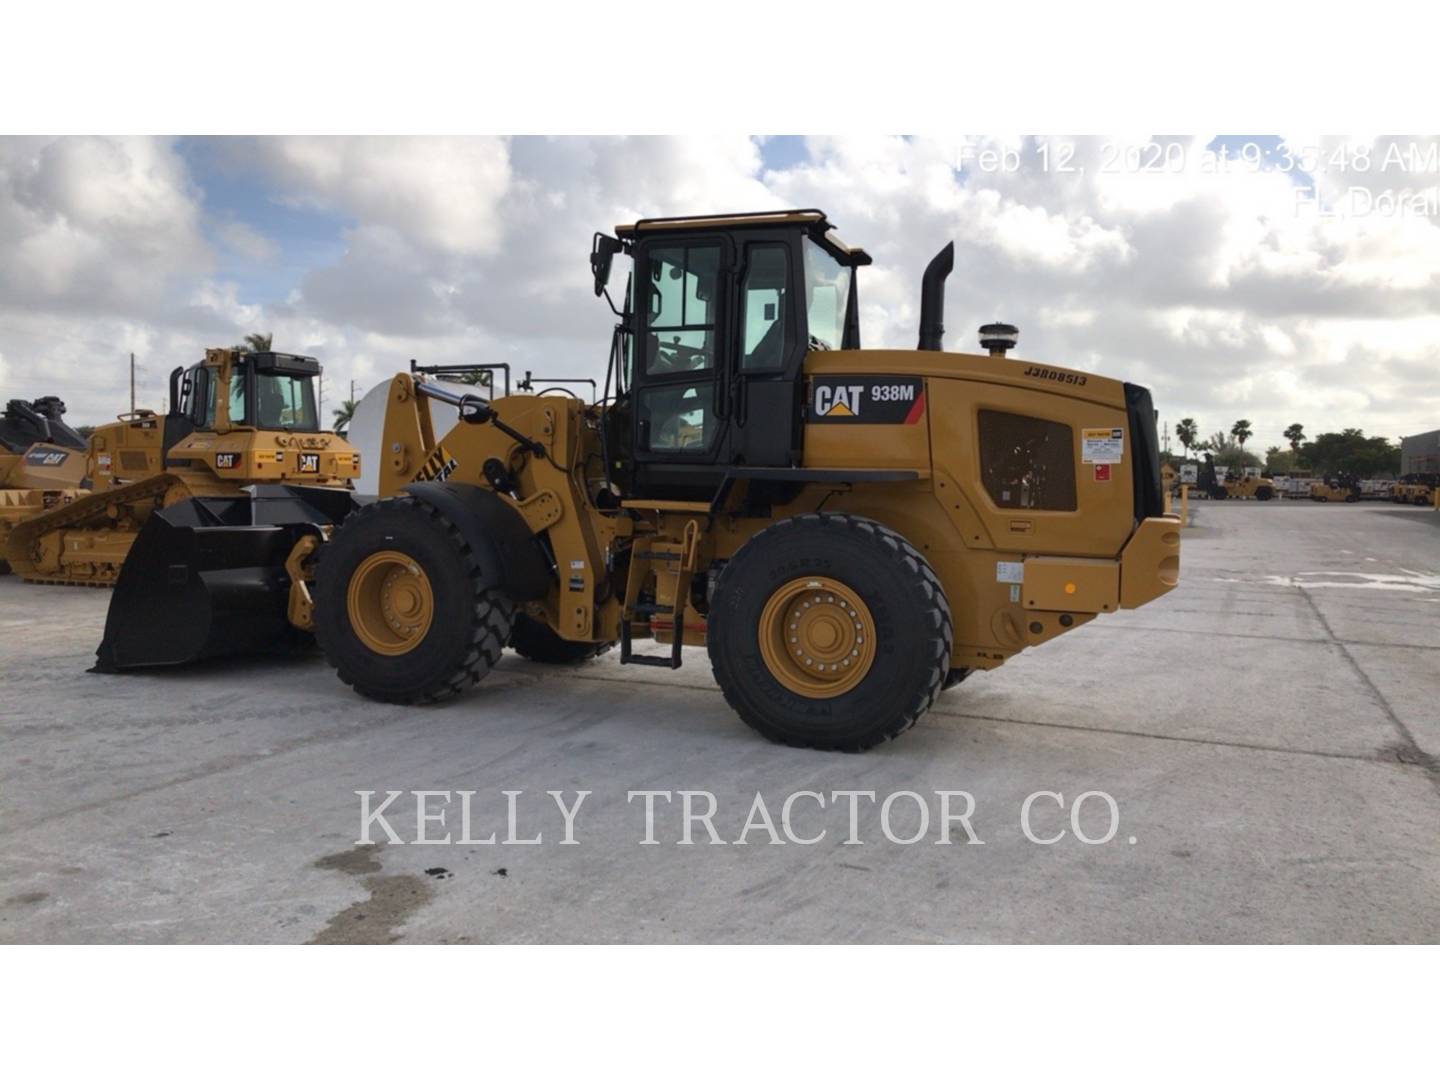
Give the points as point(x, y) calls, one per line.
point(42, 462)
point(235, 419)
point(847, 532)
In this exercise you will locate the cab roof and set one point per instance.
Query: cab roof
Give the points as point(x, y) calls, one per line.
point(813, 221)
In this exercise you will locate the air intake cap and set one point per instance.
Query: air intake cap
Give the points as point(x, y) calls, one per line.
point(998, 337)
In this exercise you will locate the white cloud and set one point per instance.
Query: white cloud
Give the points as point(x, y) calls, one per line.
point(442, 193)
point(1220, 289)
point(240, 239)
point(92, 224)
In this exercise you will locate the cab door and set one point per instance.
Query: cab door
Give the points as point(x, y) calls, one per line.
point(770, 339)
point(680, 407)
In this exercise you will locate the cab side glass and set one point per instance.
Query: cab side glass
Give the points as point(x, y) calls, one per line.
point(238, 412)
point(677, 419)
point(827, 296)
point(764, 308)
point(680, 312)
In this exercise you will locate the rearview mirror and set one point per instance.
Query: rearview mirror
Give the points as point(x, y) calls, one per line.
point(602, 252)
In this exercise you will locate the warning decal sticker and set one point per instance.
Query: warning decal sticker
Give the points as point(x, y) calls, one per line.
point(1102, 446)
point(438, 466)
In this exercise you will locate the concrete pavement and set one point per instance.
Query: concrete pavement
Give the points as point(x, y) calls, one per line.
point(1268, 733)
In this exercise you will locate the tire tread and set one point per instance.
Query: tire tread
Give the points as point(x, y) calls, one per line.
point(492, 614)
point(935, 605)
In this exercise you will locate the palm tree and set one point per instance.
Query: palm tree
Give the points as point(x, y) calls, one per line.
point(343, 415)
point(1241, 431)
point(1188, 432)
point(255, 343)
point(1295, 435)
point(478, 378)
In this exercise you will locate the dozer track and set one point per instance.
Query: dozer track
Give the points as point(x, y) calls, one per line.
point(85, 542)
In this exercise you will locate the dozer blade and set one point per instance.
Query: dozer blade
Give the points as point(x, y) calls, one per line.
point(206, 577)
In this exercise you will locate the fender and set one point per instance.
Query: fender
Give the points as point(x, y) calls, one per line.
point(506, 549)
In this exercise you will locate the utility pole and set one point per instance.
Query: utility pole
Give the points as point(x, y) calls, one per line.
point(352, 390)
point(132, 382)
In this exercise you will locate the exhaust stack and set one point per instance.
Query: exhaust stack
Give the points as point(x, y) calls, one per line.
point(932, 298)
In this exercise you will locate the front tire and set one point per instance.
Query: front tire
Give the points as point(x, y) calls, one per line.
point(1265, 494)
point(956, 677)
point(829, 631)
point(402, 609)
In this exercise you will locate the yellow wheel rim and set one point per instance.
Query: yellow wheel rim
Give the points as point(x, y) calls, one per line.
point(817, 637)
point(390, 603)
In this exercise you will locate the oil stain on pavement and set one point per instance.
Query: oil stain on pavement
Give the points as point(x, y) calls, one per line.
point(373, 921)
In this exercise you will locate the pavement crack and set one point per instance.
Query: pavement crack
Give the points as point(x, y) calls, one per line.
point(1388, 757)
point(1209, 633)
point(1408, 751)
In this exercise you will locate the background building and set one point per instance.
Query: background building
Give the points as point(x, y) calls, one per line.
point(1420, 453)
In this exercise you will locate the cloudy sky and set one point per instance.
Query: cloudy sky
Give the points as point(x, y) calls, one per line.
point(1239, 276)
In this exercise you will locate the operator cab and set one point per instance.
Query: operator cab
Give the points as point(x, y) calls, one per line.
point(271, 391)
point(708, 364)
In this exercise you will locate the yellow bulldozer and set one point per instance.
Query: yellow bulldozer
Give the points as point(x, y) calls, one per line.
point(847, 532)
point(42, 462)
point(235, 419)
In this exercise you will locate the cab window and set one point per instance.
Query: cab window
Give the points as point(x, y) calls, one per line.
point(198, 396)
point(208, 384)
point(1027, 463)
point(285, 402)
point(677, 419)
point(237, 394)
point(764, 308)
point(680, 318)
point(827, 296)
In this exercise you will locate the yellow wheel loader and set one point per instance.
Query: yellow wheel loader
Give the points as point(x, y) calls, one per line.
point(42, 462)
point(847, 532)
point(235, 419)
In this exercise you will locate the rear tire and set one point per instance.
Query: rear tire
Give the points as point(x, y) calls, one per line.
point(534, 640)
point(1265, 494)
point(855, 573)
point(1220, 493)
point(466, 619)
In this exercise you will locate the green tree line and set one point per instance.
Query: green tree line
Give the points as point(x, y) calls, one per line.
point(1348, 451)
